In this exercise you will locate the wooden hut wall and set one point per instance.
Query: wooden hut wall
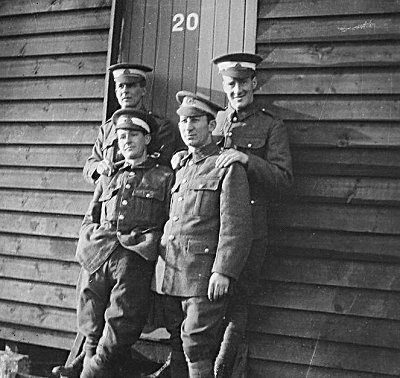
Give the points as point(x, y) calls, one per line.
point(330, 303)
point(52, 68)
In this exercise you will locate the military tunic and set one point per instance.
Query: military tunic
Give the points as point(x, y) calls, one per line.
point(261, 136)
point(164, 143)
point(209, 228)
point(130, 209)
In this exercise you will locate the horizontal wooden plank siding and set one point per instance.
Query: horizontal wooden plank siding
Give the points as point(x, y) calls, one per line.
point(52, 85)
point(328, 304)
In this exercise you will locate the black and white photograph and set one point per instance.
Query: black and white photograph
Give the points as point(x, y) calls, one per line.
point(199, 188)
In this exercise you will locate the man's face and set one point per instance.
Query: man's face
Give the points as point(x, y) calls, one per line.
point(196, 130)
point(240, 92)
point(132, 143)
point(129, 95)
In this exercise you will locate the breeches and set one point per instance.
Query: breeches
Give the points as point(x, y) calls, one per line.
point(196, 324)
point(113, 302)
point(244, 288)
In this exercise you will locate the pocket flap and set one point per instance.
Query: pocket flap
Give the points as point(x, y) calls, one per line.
point(175, 188)
point(157, 194)
point(197, 247)
point(249, 142)
point(204, 184)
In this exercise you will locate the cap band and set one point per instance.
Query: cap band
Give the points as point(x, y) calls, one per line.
point(230, 64)
point(128, 72)
point(190, 102)
point(135, 121)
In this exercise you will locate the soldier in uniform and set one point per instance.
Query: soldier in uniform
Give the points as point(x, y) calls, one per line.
point(205, 242)
point(117, 247)
point(253, 136)
point(130, 89)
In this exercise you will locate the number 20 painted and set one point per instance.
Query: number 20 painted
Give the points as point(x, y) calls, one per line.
point(192, 22)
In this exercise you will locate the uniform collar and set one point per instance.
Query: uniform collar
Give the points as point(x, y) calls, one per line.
point(243, 113)
point(202, 153)
point(148, 163)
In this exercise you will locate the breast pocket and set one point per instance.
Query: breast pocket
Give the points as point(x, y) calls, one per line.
point(251, 144)
point(109, 201)
point(206, 192)
point(148, 205)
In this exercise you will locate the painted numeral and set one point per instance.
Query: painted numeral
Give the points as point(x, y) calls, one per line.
point(192, 22)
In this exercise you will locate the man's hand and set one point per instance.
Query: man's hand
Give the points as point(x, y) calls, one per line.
point(229, 156)
point(105, 167)
point(177, 158)
point(218, 286)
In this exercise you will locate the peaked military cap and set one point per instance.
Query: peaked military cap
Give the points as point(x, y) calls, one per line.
point(195, 104)
point(132, 119)
point(237, 65)
point(128, 73)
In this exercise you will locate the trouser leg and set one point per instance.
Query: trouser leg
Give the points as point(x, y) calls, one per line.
point(93, 291)
point(173, 319)
point(201, 330)
point(129, 277)
point(238, 307)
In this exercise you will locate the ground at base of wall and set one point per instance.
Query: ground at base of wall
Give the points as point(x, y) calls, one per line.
point(43, 359)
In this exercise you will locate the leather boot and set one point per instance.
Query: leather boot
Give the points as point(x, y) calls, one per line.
point(225, 360)
point(179, 366)
point(201, 369)
point(94, 368)
point(72, 370)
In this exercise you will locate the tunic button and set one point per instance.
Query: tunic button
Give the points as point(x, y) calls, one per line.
point(124, 202)
point(234, 119)
point(252, 202)
point(157, 165)
point(175, 218)
point(148, 195)
point(171, 237)
point(230, 133)
point(180, 198)
point(128, 186)
point(121, 216)
point(249, 145)
point(183, 181)
point(118, 233)
point(206, 250)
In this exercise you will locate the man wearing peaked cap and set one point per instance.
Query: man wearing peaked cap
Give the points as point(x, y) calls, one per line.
point(253, 136)
point(130, 89)
point(238, 65)
point(129, 73)
point(132, 119)
point(205, 242)
point(117, 246)
point(192, 104)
